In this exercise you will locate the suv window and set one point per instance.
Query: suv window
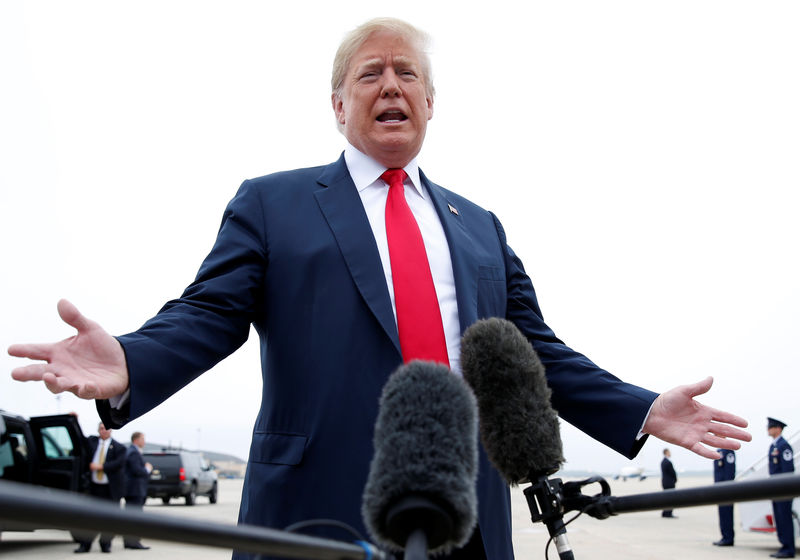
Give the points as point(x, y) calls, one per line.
point(163, 461)
point(14, 458)
point(57, 442)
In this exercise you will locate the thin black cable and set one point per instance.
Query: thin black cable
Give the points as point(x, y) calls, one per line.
point(550, 540)
point(300, 525)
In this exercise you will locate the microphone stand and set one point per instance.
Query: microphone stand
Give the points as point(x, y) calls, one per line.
point(548, 499)
point(603, 505)
point(546, 504)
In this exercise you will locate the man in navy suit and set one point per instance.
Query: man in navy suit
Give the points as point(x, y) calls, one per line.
point(668, 478)
point(137, 473)
point(781, 460)
point(303, 256)
point(107, 479)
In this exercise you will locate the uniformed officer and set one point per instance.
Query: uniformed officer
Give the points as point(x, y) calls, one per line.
point(781, 460)
point(725, 469)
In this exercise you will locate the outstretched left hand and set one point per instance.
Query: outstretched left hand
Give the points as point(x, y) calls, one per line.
point(677, 418)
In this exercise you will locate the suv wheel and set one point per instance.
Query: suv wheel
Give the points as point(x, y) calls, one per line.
point(192, 495)
point(212, 496)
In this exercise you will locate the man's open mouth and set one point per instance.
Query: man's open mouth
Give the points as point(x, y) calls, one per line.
point(392, 117)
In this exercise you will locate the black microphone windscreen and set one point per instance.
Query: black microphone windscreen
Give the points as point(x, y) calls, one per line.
point(426, 445)
point(518, 426)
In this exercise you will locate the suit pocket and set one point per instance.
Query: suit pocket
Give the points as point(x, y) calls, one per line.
point(278, 449)
point(491, 292)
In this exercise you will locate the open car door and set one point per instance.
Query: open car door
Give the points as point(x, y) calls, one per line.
point(61, 452)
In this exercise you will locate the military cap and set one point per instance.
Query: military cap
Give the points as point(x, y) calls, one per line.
point(772, 423)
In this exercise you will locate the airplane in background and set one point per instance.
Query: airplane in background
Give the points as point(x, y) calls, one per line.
point(634, 471)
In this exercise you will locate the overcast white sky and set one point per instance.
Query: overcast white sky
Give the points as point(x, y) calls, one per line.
point(643, 157)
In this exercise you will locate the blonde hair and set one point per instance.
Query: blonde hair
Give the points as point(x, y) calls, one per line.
point(353, 41)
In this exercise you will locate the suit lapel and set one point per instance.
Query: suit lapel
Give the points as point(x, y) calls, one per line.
point(344, 212)
point(465, 268)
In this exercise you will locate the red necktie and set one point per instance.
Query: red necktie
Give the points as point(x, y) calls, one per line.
point(419, 321)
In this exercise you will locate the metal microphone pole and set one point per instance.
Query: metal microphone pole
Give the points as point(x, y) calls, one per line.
point(40, 506)
point(603, 505)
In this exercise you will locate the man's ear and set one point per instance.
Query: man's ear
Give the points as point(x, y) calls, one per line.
point(429, 99)
point(338, 107)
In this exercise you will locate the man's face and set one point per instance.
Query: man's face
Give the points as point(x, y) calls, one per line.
point(139, 441)
point(774, 431)
point(102, 432)
point(383, 105)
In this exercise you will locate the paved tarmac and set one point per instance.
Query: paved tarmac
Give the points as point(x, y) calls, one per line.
point(640, 536)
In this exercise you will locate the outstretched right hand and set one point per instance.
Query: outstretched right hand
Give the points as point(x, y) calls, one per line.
point(90, 364)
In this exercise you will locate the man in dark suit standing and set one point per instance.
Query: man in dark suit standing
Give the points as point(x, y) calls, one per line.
point(107, 478)
point(309, 258)
point(137, 473)
point(725, 470)
point(668, 478)
point(781, 460)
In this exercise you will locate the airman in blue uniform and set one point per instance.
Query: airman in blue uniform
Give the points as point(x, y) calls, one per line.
point(725, 469)
point(781, 460)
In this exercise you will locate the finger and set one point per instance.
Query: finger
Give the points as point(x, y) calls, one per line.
point(729, 432)
point(728, 418)
point(704, 451)
point(725, 428)
point(32, 372)
point(721, 442)
point(701, 387)
point(31, 351)
point(87, 391)
point(70, 315)
point(56, 384)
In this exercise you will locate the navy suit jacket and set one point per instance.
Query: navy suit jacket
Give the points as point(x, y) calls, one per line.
point(113, 465)
point(295, 257)
point(668, 475)
point(136, 475)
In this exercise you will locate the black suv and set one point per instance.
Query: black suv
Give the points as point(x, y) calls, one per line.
point(180, 474)
point(45, 450)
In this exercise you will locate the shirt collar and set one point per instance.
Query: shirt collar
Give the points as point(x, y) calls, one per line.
point(365, 171)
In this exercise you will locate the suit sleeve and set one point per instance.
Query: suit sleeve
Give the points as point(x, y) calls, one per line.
point(208, 322)
point(134, 465)
point(585, 395)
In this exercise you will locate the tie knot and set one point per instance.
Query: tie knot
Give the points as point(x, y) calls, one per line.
point(394, 176)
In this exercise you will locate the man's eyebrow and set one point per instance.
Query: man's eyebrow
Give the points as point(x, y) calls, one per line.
point(378, 62)
point(370, 63)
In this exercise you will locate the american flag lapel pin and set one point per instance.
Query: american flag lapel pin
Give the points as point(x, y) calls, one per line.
point(452, 209)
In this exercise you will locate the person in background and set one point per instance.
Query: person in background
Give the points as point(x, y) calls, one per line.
point(107, 479)
point(725, 469)
point(781, 460)
point(668, 479)
point(137, 473)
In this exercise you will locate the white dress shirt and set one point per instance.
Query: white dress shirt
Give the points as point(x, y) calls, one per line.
point(373, 191)
point(101, 444)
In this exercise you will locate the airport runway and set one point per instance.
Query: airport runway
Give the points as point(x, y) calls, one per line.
point(640, 536)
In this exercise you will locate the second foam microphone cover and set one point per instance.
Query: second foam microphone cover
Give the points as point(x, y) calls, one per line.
point(426, 444)
point(518, 426)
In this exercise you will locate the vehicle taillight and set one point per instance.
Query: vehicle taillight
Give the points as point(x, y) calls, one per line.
point(181, 474)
